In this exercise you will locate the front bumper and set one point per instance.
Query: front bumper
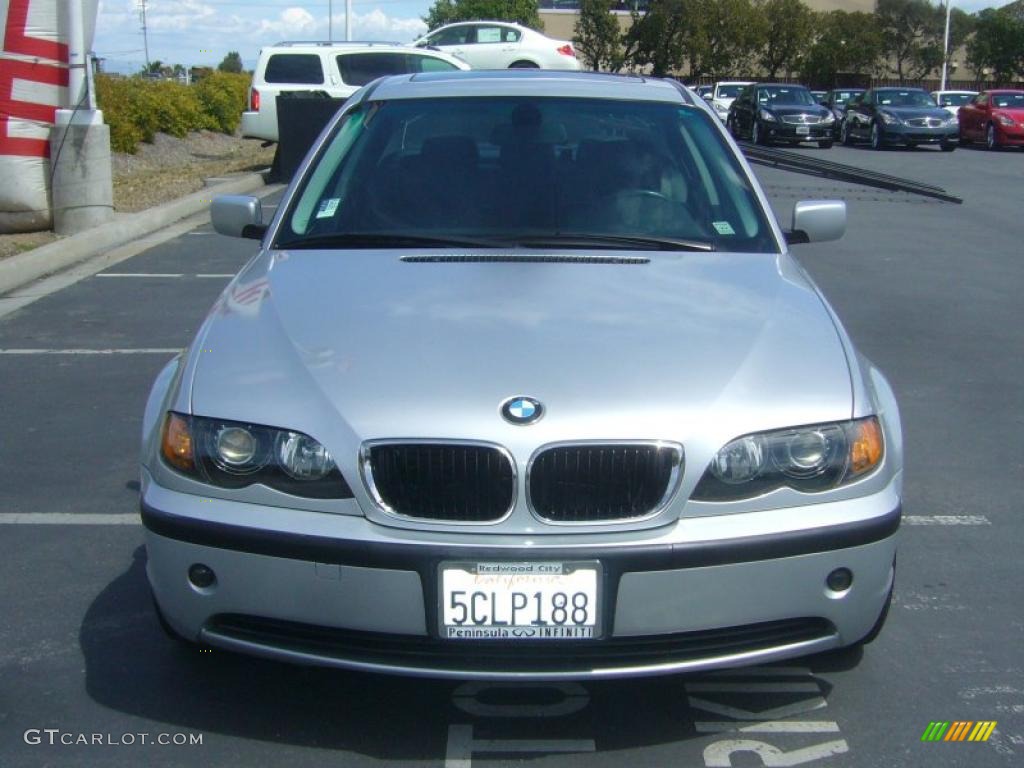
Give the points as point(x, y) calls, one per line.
point(912, 134)
point(789, 132)
point(353, 599)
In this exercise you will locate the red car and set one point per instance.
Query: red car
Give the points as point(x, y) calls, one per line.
point(995, 117)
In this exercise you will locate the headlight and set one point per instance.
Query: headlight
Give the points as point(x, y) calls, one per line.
point(1005, 120)
point(888, 118)
point(808, 459)
point(231, 454)
point(828, 118)
point(765, 115)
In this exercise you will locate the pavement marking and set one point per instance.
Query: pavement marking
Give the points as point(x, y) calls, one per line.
point(144, 351)
point(775, 726)
point(946, 520)
point(809, 687)
point(68, 518)
point(140, 274)
point(165, 274)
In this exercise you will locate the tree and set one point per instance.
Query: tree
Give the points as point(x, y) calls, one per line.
point(655, 39)
point(446, 11)
point(845, 42)
point(231, 63)
point(597, 35)
point(787, 27)
point(998, 43)
point(722, 38)
point(912, 33)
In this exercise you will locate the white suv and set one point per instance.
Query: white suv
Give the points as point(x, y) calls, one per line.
point(337, 69)
point(501, 45)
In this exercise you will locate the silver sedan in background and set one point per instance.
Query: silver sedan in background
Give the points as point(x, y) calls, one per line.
point(523, 382)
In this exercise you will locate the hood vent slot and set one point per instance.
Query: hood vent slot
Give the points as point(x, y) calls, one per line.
point(511, 258)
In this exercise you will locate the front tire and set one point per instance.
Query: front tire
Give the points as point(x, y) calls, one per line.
point(991, 141)
point(876, 136)
point(825, 144)
point(844, 134)
point(948, 146)
point(757, 134)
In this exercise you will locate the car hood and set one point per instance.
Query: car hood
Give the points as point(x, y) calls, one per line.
point(1015, 114)
point(359, 345)
point(908, 113)
point(799, 109)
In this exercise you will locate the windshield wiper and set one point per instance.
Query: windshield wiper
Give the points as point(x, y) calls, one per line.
point(388, 240)
point(638, 242)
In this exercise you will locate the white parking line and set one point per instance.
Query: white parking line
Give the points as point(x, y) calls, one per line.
point(68, 518)
point(946, 520)
point(139, 274)
point(150, 351)
point(809, 687)
point(772, 726)
point(164, 274)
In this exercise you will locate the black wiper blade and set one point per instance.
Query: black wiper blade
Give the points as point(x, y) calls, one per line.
point(388, 240)
point(639, 242)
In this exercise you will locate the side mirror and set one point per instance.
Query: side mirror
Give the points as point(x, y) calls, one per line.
point(708, 97)
point(238, 216)
point(817, 221)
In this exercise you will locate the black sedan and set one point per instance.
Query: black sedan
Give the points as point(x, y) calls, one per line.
point(836, 100)
point(767, 112)
point(905, 116)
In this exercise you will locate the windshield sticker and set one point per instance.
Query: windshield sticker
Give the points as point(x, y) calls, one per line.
point(328, 207)
point(724, 228)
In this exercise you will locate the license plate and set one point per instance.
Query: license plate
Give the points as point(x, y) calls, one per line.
point(520, 601)
point(803, 130)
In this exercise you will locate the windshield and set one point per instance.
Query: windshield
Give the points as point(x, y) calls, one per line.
point(841, 97)
point(955, 99)
point(1008, 100)
point(779, 95)
point(904, 99)
point(729, 91)
point(510, 171)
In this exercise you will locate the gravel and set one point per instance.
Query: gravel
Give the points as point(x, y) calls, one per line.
point(167, 169)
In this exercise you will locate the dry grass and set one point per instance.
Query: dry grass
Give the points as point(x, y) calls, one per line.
point(165, 170)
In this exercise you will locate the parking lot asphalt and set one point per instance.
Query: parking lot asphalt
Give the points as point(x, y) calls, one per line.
point(928, 290)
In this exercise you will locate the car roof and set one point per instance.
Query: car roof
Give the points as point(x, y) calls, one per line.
point(784, 85)
point(898, 88)
point(528, 82)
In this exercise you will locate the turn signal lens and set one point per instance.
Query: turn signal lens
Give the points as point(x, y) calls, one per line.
point(866, 447)
point(176, 445)
point(254, 100)
point(566, 50)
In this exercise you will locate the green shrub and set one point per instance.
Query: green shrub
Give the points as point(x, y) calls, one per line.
point(136, 108)
point(223, 96)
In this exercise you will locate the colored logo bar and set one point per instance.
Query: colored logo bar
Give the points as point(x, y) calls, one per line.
point(958, 730)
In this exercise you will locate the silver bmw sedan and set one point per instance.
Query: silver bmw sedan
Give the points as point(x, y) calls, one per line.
point(523, 382)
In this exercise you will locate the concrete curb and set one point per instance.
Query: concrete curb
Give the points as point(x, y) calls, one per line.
point(24, 268)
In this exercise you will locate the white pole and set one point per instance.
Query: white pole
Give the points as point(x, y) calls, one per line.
point(330, 21)
point(945, 46)
point(76, 54)
point(348, 19)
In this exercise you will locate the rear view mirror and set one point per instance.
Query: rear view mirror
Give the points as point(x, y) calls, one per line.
point(238, 216)
point(817, 221)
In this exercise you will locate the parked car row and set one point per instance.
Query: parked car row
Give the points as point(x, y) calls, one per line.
point(339, 69)
point(781, 112)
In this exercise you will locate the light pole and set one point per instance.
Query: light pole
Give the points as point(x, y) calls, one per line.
point(945, 46)
point(348, 19)
point(330, 21)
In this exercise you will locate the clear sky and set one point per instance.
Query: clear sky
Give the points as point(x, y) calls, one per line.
point(202, 31)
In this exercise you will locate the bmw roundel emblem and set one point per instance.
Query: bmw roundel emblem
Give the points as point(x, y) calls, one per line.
point(522, 410)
